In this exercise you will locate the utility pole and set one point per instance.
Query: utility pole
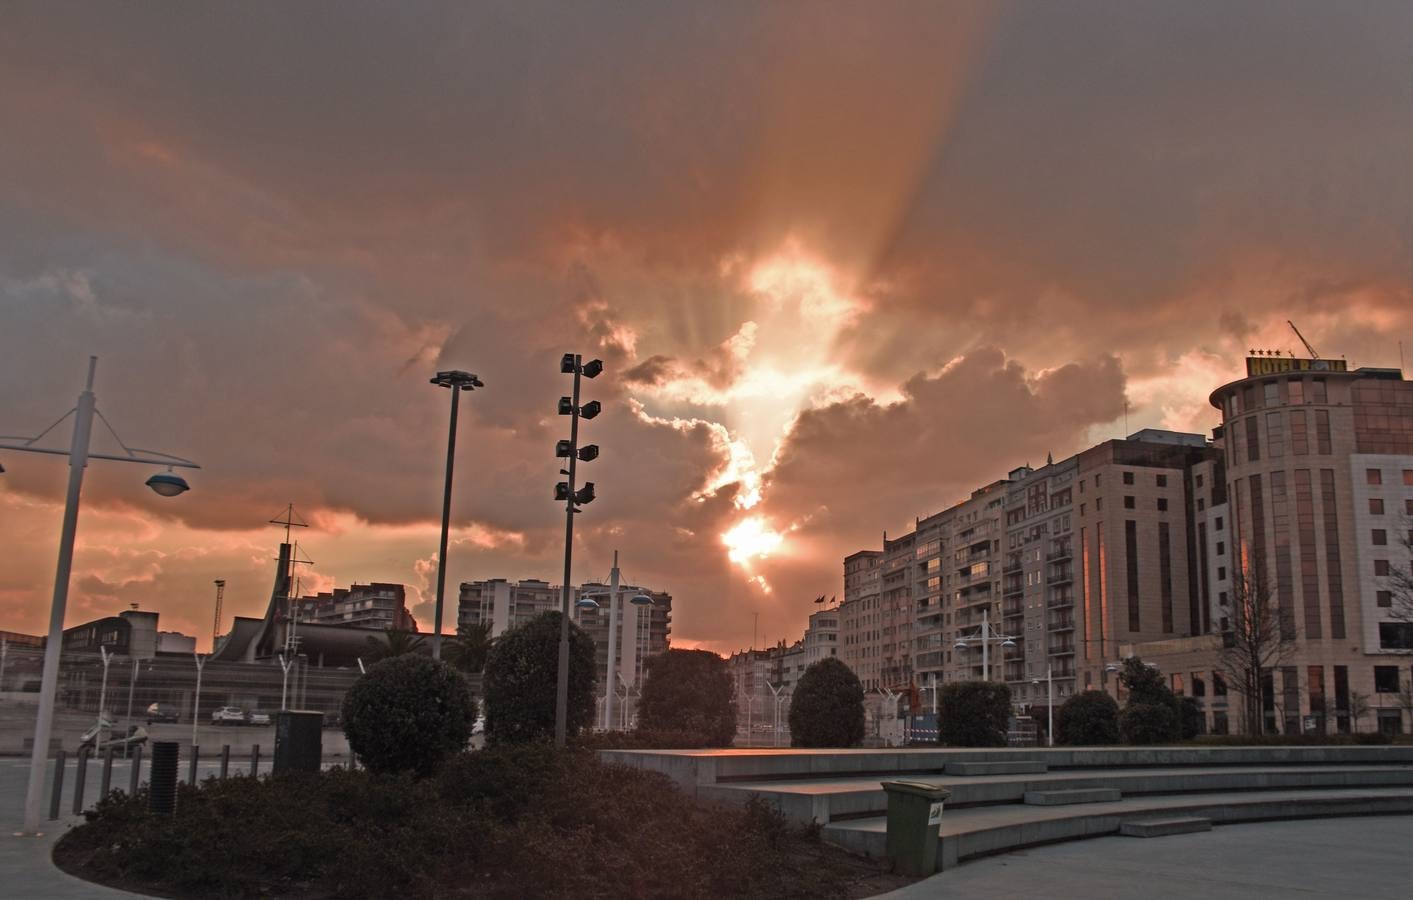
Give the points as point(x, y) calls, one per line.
point(609, 688)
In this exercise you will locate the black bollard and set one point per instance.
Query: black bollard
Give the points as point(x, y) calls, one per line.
point(225, 759)
point(162, 783)
point(191, 766)
point(135, 771)
point(80, 776)
point(58, 785)
point(107, 780)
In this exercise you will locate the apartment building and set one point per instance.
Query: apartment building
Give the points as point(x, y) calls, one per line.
point(859, 614)
point(644, 628)
point(822, 636)
point(380, 606)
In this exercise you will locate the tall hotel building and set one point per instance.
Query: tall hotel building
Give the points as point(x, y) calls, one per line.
point(1133, 547)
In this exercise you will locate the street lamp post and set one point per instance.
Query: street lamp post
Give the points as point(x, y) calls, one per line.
point(985, 637)
point(103, 691)
point(166, 484)
point(1049, 704)
point(573, 497)
point(196, 699)
point(457, 381)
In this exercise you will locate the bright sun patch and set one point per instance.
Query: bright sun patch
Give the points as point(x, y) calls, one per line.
point(751, 538)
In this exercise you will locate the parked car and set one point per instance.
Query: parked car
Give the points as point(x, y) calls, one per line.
point(159, 713)
point(228, 715)
point(256, 717)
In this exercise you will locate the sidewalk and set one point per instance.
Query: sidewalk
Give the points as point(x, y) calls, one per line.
point(1334, 858)
point(25, 867)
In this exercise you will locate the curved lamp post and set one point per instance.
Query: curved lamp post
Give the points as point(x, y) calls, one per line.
point(985, 637)
point(166, 484)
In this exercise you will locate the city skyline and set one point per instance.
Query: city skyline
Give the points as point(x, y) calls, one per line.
point(839, 272)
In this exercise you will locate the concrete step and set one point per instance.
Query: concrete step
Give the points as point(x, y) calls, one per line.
point(830, 799)
point(1065, 798)
point(970, 833)
point(1020, 767)
point(1147, 828)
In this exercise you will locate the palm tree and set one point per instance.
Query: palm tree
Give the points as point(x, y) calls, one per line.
point(394, 642)
point(469, 648)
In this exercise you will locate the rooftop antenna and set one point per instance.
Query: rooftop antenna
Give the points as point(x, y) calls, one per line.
point(1313, 354)
point(289, 521)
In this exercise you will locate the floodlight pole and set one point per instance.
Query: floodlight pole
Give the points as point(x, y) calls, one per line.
point(561, 700)
point(78, 453)
point(455, 380)
point(196, 699)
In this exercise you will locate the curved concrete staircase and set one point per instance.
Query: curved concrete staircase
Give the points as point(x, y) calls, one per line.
point(1007, 799)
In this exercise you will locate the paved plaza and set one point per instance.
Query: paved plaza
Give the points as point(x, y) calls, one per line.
point(1348, 857)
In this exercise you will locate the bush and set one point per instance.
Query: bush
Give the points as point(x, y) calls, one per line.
point(827, 707)
point(1088, 719)
point(1148, 723)
point(1146, 687)
point(521, 681)
point(408, 713)
point(689, 692)
point(973, 714)
point(483, 825)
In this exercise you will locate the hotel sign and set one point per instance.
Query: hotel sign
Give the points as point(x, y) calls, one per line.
point(1275, 365)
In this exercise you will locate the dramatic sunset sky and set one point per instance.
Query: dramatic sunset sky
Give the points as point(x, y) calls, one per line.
point(843, 262)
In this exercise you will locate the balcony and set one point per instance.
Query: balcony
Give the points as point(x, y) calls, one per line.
point(1060, 601)
point(1057, 555)
point(1062, 648)
point(1013, 609)
point(1011, 590)
point(1010, 567)
point(1065, 623)
point(1064, 576)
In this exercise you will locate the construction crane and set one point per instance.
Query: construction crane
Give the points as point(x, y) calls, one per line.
point(1313, 354)
point(216, 628)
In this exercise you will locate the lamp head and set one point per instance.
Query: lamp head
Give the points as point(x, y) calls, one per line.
point(960, 645)
point(1008, 644)
point(586, 603)
point(567, 364)
point(588, 453)
point(641, 600)
point(592, 368)
point(590, 409)
point(168, 484)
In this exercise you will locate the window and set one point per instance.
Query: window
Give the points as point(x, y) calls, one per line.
point(1273, 393)
point(1098, 504)
point(1386, 679)
point(1218, 524)
point(1317, 391)
point(1162, 504)
point(1408, 477)
point(1395, 636)
point(1384, 599)
point(1253, 440)
point(1376, 506)
point(1373, 476)
point(1222, 576)
point(1082, 508)
point(1163, 479)
point(1296, 389)
point(1199, 687)
point(1221, 548)
point(1128, 502)
point(1097, 480)
point(1128, 478)
point(1381, 567)
point(1380, 537)
point(1408, 507)
point(1219, 685)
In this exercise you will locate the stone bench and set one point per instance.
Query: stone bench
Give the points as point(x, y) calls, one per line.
point(1080, 795)
point(1148, 828)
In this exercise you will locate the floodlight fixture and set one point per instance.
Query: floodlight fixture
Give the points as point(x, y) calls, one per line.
point(585, 494)
point(566, 406)
point(567, 364)
point(561, 491)
point(563, 449)
point(588, 452)
point(591, 409)
point(458, 379)
point(592, 368)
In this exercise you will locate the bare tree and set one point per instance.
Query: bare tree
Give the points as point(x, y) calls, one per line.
point(1261, 636)
point(1358, 708)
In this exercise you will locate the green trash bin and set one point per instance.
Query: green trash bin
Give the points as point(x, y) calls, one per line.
point(914, 822)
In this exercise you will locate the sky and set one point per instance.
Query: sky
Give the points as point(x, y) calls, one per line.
point(843, 263)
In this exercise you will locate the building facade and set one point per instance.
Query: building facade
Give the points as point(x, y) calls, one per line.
point(380, 606)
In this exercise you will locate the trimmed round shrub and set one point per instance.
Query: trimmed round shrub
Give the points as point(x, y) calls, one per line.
point(1190, 719)
point(521, 681)
point(827, 707)
point(408, 713)
point(688, 693)
point(973, 714)
point(1148, 723)
point(1146, 687)
point(1087, 719)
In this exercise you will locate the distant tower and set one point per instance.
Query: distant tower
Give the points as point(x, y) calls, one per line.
point(216, 628)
